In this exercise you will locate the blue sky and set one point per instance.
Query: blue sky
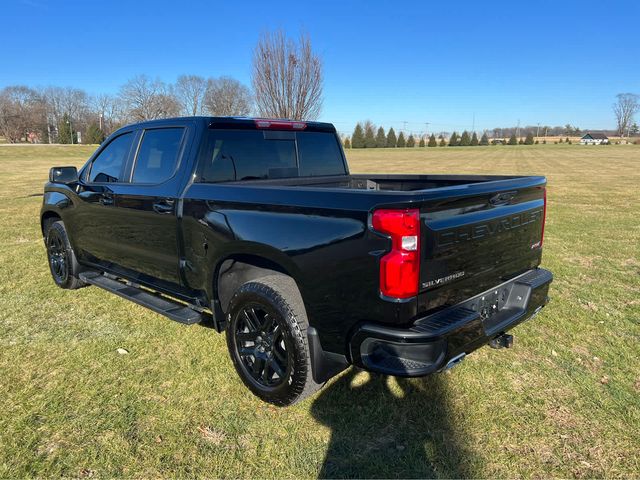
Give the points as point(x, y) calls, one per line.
point(415, 61)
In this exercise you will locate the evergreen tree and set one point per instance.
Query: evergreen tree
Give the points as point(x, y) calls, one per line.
point(443, 142)
point(64, 130)
point(513, 140)
point(411, 141)
point(484, 141)
point(432, 141)
point(357, 139)
point(474, 140)
point(520, 142)
point(529, 139)
point(421, 144)
point(392, 140)
point(94, 135)
point(465, 140)
point(381, 138)
point(401, 140)
point(559, 141)
point(453, 140)
point(369, 135)
point(347, 143)
point(567, 140)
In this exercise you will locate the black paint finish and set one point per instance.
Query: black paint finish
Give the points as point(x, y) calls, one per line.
point(174, 236)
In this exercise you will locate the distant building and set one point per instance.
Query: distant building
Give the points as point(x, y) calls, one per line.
point(594, 139)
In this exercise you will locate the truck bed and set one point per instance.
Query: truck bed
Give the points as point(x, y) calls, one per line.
point(380, 182)
point(477, 230)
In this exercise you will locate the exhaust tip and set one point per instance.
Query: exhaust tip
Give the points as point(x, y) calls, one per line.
point(502, 341)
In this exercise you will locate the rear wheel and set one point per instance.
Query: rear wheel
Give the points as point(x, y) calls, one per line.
point(267, 340)
point(62, 260)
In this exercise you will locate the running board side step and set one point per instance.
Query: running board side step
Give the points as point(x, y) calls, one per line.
point(176, 311)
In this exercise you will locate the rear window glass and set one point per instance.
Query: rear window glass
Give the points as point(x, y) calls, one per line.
point(256, 154)
point(319, 154)
point(158, 155)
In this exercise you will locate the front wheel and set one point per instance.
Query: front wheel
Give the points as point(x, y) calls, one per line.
point(267, 340)
point(62, 259)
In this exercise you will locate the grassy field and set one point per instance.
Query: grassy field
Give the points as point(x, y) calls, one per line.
point(564, 402)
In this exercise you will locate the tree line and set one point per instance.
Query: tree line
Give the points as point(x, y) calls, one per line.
point(286, 82)
point(56, 114)
point(367, 136)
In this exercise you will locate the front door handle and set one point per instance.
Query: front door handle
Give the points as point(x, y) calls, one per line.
point(163, 206)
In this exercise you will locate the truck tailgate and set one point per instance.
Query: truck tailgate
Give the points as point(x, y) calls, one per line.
point(473, 242)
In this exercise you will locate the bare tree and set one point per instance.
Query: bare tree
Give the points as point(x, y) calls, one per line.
point(109, 112)
point(287, 77)
point(626, 106)
point(65, 104)
point(146, 99)
point(66, 100)
point(226, 96)
point(190, 90)
point(21, 113)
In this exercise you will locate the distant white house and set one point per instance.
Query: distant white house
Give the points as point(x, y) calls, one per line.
point(594, 139)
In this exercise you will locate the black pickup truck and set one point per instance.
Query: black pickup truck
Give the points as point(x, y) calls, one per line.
point(256, 227)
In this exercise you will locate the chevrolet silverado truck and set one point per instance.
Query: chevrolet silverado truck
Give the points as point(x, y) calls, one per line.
point(256, 227)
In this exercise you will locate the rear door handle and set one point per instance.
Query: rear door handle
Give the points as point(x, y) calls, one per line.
point(163, 206)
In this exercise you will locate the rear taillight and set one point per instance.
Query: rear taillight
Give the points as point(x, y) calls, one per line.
point(279, 124)
point(544, 216)
point(400, 268)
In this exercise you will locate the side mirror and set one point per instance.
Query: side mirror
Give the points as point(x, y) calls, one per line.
point(65, 175)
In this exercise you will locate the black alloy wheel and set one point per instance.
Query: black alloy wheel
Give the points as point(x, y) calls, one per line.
point(58, 257)
point(261, 346)
point(267, 340)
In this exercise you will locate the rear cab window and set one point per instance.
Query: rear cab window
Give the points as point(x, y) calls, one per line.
point(231, 155)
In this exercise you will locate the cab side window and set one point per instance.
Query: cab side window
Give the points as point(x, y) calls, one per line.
point(158, 155)
point(107, 166)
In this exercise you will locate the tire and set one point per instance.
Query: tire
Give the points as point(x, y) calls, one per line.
point(62, 260)
point(267, 340)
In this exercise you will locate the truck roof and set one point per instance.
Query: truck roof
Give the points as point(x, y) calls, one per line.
point(247, 123)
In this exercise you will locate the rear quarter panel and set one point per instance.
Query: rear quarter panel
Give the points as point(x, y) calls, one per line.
point(330, 252)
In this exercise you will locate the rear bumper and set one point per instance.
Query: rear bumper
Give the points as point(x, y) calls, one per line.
point(437, 339)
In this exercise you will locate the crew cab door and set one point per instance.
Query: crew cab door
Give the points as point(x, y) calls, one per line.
point(127, 219)
point(147, 206)
point(91, 223)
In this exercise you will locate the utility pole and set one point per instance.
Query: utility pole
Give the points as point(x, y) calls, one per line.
point(538, 131)
point(404, 128)
point(518, 130)
point(473, 125)
point(71, 129)
point(426, 128)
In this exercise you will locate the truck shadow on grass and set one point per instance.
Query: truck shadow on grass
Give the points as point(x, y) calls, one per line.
point(378, 431)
